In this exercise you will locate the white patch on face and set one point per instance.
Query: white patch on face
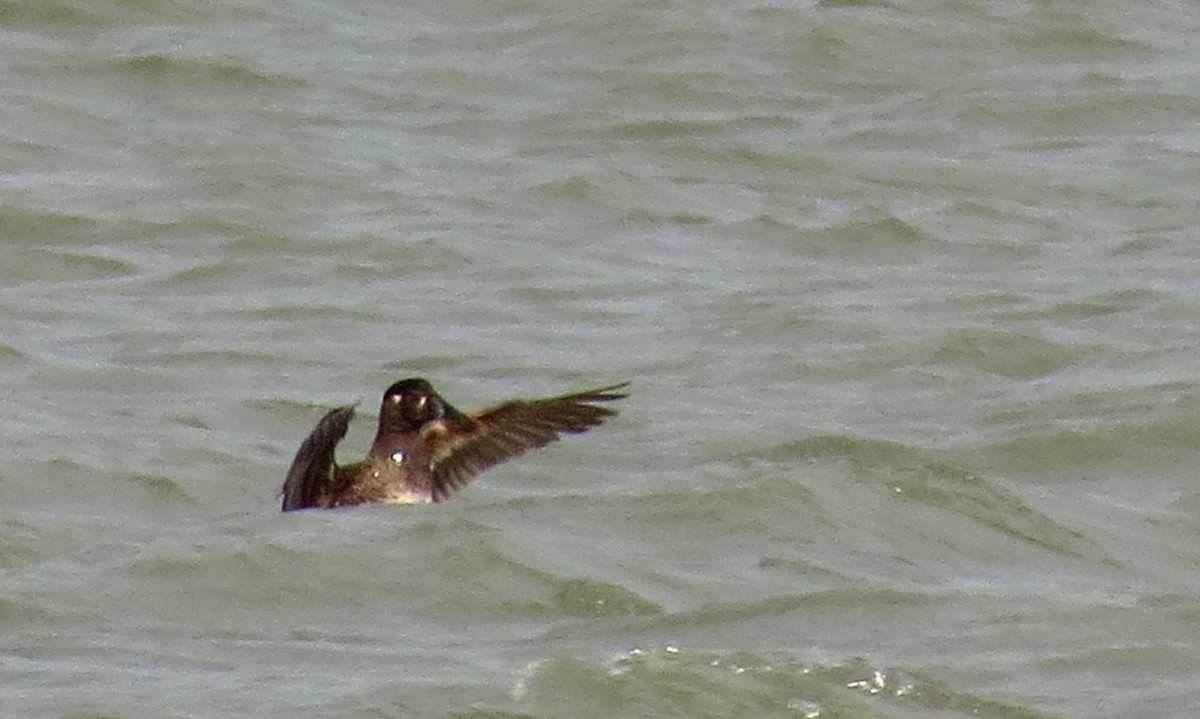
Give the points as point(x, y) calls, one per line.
point(398, 457)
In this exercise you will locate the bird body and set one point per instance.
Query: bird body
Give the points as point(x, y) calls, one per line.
point(426, 450)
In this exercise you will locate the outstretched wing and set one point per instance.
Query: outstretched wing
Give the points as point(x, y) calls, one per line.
point(461, 449)
point(313, 468)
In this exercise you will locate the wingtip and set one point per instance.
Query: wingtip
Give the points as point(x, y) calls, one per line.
point(610, 393)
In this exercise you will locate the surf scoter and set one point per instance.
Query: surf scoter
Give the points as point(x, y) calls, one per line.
point(426, 450)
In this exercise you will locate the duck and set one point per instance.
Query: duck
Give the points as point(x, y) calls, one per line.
point(425, 450)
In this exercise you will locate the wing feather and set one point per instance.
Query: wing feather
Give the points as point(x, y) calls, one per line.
point(313, 468)
point(511, 429)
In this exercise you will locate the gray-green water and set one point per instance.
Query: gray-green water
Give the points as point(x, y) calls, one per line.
point(908, 293)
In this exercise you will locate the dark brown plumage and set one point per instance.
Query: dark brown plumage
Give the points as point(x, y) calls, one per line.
point(425, 450)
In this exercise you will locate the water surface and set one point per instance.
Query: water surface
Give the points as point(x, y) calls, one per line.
point(907, 294)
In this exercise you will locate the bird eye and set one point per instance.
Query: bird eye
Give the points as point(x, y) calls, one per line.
point(421, 402)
